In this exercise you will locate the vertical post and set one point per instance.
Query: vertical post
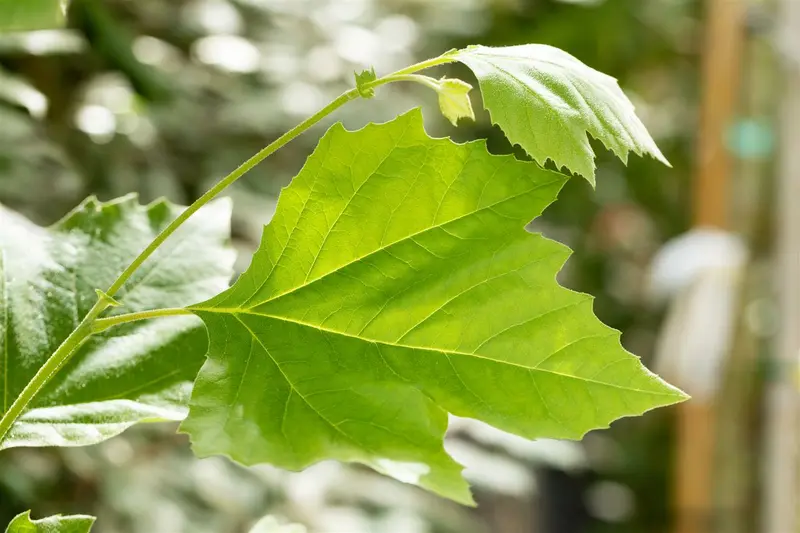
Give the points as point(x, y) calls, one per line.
point(720, 82)
point(696, 425)
point(782, 441)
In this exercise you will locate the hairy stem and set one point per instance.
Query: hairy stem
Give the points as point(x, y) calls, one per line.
point(91, 324)
point(102, 324)
point(416, 78)
point(51, 367)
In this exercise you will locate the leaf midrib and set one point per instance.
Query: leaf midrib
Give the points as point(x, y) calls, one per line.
point(236, 312)
point(379, 249)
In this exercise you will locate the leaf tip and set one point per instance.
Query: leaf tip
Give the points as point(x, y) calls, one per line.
point(682, 396)
point(658, 156)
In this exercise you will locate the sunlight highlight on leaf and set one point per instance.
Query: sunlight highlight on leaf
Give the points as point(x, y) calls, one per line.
point(139, 372)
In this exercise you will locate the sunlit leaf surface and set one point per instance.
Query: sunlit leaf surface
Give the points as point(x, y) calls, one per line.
point(396, 283)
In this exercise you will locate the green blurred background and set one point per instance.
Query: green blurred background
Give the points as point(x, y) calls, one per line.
point(165, 97)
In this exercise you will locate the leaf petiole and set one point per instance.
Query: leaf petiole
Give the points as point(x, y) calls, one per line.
point(427, 81)
point(102, 324)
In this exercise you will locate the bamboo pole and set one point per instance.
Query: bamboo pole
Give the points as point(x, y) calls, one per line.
point(696, 423)
point(720, 82)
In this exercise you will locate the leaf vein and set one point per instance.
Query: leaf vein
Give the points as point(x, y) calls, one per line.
point(235, 312)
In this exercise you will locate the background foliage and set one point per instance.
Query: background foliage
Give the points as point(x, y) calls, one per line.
point(163, 98)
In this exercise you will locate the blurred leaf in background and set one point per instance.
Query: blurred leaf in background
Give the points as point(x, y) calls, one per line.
point(137, 373)
point(20, 15)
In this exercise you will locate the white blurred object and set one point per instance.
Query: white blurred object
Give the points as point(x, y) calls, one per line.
point(270, 524)
point(495, 472)
point(214, 17)
point(228, 52)
point(561, 454)
point(699, 273)
point(611, 502)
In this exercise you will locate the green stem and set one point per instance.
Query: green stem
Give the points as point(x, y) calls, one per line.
point(427, 81)
point(226, 182)
point(91, 324)
point(447, 57)
point(51, 367)
point(102, 324)
point(352, 94)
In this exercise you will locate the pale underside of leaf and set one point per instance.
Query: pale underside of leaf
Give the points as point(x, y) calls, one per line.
point(395, 284)
point(90, 423)
point(134, 373)
point(547, 101)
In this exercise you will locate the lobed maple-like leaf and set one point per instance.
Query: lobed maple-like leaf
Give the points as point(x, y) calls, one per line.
point(52, 524)
point(396, 283)
point(138, 372)
point(546, 101)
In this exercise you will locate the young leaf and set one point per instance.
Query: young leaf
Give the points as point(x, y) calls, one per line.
point(546, 101)
point(454, 100)
point(20, 15)
point(396, 283)
point(53, 524)
point(138, 372)
point(362, 79)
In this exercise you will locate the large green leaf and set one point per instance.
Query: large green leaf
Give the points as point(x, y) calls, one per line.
point(53, 524)
point(134, 373)
point(546, 101)
point(396, 283)
point(18, 15)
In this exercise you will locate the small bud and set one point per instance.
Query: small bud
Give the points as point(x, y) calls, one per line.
point(454, 100)
point(362, 79)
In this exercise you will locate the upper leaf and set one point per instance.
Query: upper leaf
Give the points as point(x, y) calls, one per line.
point(20, 15)
point(546, 101)
point(396, 283)
point(53, 524)
point(136, 372)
